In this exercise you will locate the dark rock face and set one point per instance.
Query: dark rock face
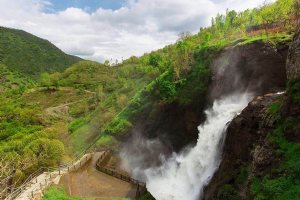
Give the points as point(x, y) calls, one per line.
point(245, 143)
point(161, 130)
point(256, 67)
point(293, 59)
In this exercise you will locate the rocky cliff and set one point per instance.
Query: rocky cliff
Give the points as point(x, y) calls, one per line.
point(258, 161)
point(293, 60)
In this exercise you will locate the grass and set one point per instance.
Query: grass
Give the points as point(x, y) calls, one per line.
point(56, 193)
point(293, 90)
point(51, 98)
point(274, 39)
point(105, 139)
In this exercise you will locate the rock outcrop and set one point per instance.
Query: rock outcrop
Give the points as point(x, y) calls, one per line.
point(257, 67)
point(293, 59)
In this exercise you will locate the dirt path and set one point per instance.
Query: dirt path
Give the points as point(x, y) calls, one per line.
point(88, 182)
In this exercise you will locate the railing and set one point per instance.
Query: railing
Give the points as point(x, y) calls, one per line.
point(11, 192)
point(100, 166)
point(67, 167)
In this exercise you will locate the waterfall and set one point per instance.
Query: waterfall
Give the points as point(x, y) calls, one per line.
point(184, 175)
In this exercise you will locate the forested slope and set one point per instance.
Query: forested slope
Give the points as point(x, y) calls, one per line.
point(31, 55)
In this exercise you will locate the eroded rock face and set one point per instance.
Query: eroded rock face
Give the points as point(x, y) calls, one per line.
point(245, 145)
point(262, 157)
point(257, 67)
point(293, 59)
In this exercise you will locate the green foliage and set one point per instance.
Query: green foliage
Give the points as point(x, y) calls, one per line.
point(48, 151)
point(293, 91)
point(56, 193)
point(146, 196)
point(30, 55)
point(105, 140)
point(227, 192)
point(45, 80)
point(243, 174)
point(275, 107)
point(166, 86)
point(76, 124)
point(12, 83)
point(285, 182)
point(117, 125)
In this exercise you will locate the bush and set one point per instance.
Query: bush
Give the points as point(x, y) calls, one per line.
point(293, 91)
point(227, 192)
point(117, 126)
point(76, 124)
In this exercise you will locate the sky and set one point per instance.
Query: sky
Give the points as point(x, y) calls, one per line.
point(113, 29)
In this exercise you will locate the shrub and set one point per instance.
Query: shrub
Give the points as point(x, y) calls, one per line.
point(76, 124)
point(227, 192)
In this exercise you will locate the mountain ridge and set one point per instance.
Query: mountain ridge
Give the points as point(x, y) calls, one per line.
point(34, 54)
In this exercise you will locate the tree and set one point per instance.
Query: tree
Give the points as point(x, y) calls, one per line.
point(230, 18)
point(184, 35)
point(54, 79)
point(267, 15)
point(45, 80)
point(155, 60)
point(48, 151)
point(106, 63)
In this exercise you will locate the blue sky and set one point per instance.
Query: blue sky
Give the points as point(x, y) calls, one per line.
point(88, 5)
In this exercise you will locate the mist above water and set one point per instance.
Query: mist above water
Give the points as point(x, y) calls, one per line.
point(184, 175)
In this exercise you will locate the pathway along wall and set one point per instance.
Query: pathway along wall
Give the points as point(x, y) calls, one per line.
point(100, 166)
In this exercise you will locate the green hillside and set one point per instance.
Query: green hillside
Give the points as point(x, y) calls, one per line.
point(31, 55)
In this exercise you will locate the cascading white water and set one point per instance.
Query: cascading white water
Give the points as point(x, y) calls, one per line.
point(184, 175)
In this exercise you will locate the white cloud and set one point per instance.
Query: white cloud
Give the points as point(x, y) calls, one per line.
point(139, 27)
